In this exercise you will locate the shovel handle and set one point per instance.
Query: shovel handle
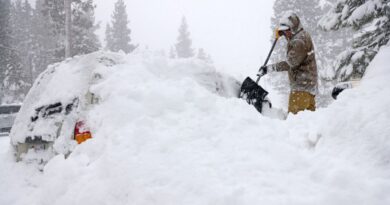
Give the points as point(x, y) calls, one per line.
point(258, 78)
point(268, 57)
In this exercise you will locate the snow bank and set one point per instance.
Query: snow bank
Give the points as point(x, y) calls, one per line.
point(163, 135)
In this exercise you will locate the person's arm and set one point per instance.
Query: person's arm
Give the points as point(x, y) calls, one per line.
point(295, 57)
point(279, 67)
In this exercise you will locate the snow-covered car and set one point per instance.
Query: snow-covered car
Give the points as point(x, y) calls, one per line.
point(55, 108)
point(55, 117)
point(7, 118)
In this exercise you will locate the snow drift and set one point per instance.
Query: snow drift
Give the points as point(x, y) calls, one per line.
point(162, 136)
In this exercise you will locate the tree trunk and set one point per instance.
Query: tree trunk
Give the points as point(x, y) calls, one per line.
point(68, 21)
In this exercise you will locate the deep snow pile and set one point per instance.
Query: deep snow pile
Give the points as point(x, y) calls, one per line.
point(162, 137)
point(62, 95)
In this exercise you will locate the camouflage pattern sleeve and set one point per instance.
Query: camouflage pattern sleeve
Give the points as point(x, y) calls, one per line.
point(281, 66)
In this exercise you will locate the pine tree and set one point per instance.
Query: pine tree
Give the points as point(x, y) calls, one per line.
point(184, 42)
point(109, 38)
point(10, 62)
point(370, 19)
point(84, 39)
point(202, 55)
point(119, 37)
point(54, 12)
point(35, 38)
point(44, 41)
point(83, 28)
point(68, 28)
point(22, 26)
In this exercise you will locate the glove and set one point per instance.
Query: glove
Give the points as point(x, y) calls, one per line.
point(262, 71)
point(278, 33)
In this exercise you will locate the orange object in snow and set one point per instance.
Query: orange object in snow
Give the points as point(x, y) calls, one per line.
point(80, 133)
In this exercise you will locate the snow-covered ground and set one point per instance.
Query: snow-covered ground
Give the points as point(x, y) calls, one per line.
point(4, 143)
point(162, 137)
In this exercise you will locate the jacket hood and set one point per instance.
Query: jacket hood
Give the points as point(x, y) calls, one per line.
point(291, 20)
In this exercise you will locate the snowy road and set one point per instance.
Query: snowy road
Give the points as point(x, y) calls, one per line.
point(4, 144)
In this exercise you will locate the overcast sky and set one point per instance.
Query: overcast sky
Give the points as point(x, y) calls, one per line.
point(236, 33)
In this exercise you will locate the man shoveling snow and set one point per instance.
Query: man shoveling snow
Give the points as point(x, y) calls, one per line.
point(300, 64)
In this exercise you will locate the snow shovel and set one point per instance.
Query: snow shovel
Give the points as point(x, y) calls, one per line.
point(252, 92)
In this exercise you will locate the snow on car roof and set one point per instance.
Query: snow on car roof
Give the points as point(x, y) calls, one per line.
point(63, 83)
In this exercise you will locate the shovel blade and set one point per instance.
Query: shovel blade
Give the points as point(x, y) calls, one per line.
point(252, 92)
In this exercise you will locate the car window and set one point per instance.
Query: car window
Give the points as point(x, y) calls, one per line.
point(55, 108)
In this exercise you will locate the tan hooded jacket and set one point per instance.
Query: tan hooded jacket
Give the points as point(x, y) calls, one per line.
point(301, 63)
